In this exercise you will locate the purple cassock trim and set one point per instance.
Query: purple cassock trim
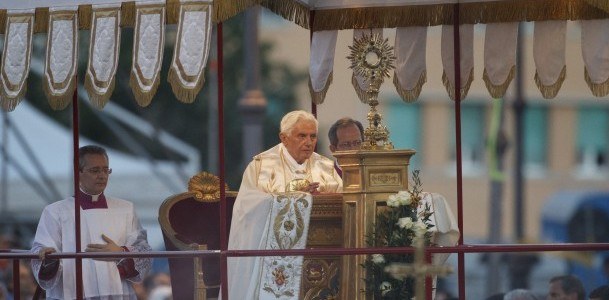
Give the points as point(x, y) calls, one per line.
point(86, 201)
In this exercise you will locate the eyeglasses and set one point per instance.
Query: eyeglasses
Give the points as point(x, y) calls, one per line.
point(99, 171)
point(350, 145)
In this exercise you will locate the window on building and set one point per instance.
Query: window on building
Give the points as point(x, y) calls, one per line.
point(472, 138)
point(535, 138)
point(592, 142)
point(404, 121)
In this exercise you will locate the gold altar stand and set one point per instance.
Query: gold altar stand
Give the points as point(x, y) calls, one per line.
point(369, 177)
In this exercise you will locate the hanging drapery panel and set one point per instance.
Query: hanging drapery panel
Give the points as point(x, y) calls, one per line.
point(321, 64)
point(360, 84)
point(410, 70)
point(61, 57)
point(191, 49)
point(15, 64)
point(148, 45)
point(549, 55)
point(467, 59)
point(595, 50)
point(499, 57)
point(103, 54)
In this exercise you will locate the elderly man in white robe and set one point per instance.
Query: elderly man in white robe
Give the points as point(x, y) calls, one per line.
point(107, 225)
point(272, 210)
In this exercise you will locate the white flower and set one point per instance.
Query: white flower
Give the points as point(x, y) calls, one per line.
point(385, 288)
point(378, 258)
point(420, 228)
point(393, 201)
point(404, 198)
point(405, 223)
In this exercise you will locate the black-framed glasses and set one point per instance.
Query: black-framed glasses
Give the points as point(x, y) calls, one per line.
point(99, 171)
point(350, 144)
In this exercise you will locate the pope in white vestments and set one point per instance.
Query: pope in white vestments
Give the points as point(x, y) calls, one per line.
point(107, 225)
point(291, 165)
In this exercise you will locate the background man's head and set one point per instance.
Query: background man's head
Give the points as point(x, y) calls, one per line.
point(600, 293)
point(566, 287)
point(94, 169)
point(346, 134)
point(298, 133)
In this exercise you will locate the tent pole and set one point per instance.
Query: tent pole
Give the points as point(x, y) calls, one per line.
point(221, 169)
point(311, 22)
point(75, 143)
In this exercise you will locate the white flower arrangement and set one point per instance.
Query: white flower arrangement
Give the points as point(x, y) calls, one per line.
point(405, 219)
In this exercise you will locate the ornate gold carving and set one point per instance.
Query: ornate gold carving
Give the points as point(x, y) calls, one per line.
point(384, 179)
point(297, 185)
point(372, 58)
point(206, 187)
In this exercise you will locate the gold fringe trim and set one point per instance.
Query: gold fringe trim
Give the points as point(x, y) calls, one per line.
point(290, 10)
point(410, 96)
point(85, 16)
point(127, 14)
point(41, 20)
point(172, 11)
point(183, 93)
point(98, 100)
point(59, 102)
point(550, 91)
point(318, 97)
point(450, 88)
point(361, 94)
point(598, 89)
point(602, 4)
point(143, 98)
point(2, 21)
point(498, 91)
point(10, 103)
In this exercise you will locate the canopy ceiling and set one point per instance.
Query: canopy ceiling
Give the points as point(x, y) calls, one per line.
point(61, 19)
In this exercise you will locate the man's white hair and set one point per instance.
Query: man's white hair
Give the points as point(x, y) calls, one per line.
point(290, 119)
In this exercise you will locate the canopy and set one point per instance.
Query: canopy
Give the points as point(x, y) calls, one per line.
point(61, 19)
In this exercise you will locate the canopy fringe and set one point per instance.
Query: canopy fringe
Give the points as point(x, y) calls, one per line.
point(183, 93)
point(550, 91)
point(99, 100)
point(410, 96)
point(291, 10)
point(602, 4)
point(497, 91)
point(450, 88)
point(598, 89)
point(10, 103)
point(319, 97)
point(142, 97)
point(60, 102)
point(361, 94)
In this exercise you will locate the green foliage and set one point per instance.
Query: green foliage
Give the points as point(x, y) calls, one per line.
point(393, 229)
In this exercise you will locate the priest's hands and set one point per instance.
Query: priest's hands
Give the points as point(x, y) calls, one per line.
point(42, 253)
point(312, 188)
point(111, 246)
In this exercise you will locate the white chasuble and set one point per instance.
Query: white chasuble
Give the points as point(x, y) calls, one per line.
point(360, 84)
point(103, 54)
point(410, 70)
point(191, 49)
point(61, 58)
point(321, 64)
point(262, 194)
point(148, 45)
point(15, 65)
point(499, 57)
point(549, 55)
point(595, 50)
point(466, 34)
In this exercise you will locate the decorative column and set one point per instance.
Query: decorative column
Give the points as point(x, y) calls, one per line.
point(253, 104)
point(369, 177)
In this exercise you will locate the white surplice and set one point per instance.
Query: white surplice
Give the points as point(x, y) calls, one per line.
point(101, 279)
point(266, 175)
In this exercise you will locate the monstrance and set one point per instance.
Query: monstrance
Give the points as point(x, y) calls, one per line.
point(372, 58)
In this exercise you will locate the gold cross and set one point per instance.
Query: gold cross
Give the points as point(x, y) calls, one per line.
point(419, 269)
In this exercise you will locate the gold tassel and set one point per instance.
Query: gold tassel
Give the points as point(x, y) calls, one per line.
point(226, 9)
point(10, 103)
point(450, 88)
point(361, 94)
point(318, 97)
point(127, 14)
point(498, 91)
point(60, 102)
point(410, 96)
point(85, 16)
point(143, 98)
point(291, 10)
point(550, 91)
point(172, 11)
point(98, 100)
point(41, 20)
point(598, 89)
point(183, 93)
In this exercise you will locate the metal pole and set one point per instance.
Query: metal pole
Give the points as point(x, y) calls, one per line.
point(519, 108)
point(223, 212)
point(75, 143)
point(4, 176)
